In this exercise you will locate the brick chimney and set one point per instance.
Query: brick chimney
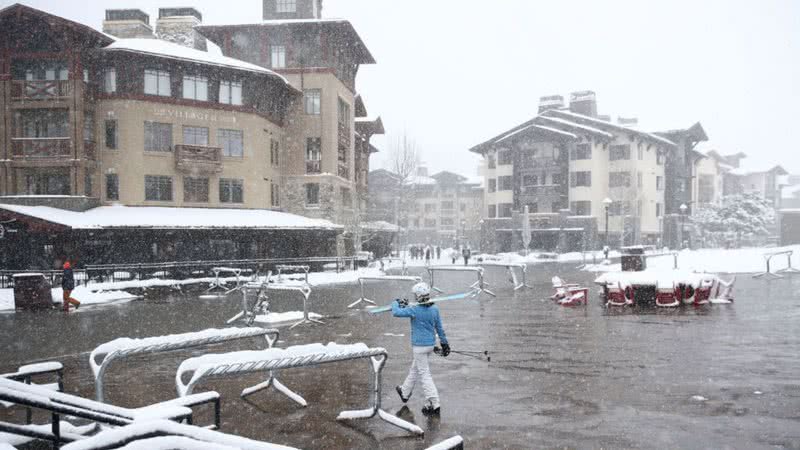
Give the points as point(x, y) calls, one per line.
point(177, 25)
point(550, 102)
point(292, 9)
point(127, 23)
point(583, 102)
point(630, 122)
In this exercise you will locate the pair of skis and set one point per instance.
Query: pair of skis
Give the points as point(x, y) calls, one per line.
point(446, 298)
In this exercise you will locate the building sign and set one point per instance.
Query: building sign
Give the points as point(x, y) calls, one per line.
point(209, 117)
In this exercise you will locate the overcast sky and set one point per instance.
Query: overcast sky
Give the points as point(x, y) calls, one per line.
point(453, 73)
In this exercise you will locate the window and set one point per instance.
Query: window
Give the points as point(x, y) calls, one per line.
point(157, 137)
point(231, 191)
point(705, 188)
point(506, 183)
point(278, 56)
point(448, 206)
point(491, 161)
point(581, 151)
point(530, 180)
point(619, 208)
point(533, 208)
point(232, 142)
point(660, 159)
point(111, 134)
point(659, 209)
point(659, 183)
point(558, 179)
point(430, 223)
point(504, 158)
point(313, 101)
point(286, 6)
point(447, 222)
point(581, 208)
point(275, 199)
point(110, 80)
point(492, 211)
point(274, 152)
point(195, 88)
point(619, 152)
point(640, 153)
point(195, 190)
point(505, 210)
point(344, 113)
point(230, 92)
point(347, 198)
point(157, 188)
point(463, 207)
point(87, 184)
point(492, 185)
point(313, 149)
point(195, 136)
point(157, 82)
point(430, 208)
point(578, 179)
point(639, 179)
point(112, 187)
point(312, 194)
point(619, 179)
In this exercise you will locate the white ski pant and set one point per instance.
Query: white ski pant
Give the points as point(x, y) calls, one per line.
point(420, 372)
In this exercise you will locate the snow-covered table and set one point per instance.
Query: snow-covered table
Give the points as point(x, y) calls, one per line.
point(477, 287)
point(361, 281)
point(272, 360)
point(102, 356)
point(669, 287)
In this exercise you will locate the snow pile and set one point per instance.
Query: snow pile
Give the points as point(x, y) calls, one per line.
point(291, 316)
point(94, 295)
point(653, 277)
point(743, 260)
point(326, 278)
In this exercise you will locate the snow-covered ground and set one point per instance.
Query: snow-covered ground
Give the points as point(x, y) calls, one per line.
point(107, 293)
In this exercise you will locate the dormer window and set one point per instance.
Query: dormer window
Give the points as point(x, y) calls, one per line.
point(286, 6)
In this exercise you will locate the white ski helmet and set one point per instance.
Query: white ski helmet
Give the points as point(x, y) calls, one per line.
point(421, 290)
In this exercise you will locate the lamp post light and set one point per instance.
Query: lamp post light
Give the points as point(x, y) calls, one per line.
point(607, 203)
point(480, 236)
point(683, 209)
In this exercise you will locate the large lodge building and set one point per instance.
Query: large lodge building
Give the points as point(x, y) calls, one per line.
point(266, 122)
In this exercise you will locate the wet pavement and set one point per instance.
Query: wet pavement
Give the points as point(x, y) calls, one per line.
point(559, 377)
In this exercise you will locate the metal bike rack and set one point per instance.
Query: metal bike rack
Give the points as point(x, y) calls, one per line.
point(125, 347)
point(477, 287)
point(361, 281)
point(523, 268)
point(305, 291)
point(272, 360)
point(777, 274)
point(217, 284)
point(25, 375)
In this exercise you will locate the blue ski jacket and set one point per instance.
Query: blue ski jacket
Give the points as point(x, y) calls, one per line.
point(425, 324)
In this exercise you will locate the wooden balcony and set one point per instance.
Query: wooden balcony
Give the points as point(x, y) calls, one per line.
point(22, 90)
point(313, 166)
point(41, 148)
point(198, 159)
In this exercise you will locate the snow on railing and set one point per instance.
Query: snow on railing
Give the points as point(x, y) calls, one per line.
point(102, 356)
point(246, 362)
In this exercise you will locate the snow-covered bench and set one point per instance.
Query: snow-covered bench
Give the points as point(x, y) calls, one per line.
point(165, 434)
point(59, 403)
point(102, 356)
point(361, 281)
point(477, 287)
point(272, 360)
point(523, 268)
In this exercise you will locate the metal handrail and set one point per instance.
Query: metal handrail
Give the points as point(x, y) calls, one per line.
point(477, 287)
point(361, 280)
point(777, 274)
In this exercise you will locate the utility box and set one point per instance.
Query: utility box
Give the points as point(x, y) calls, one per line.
point(633, 259)
point(32, 291)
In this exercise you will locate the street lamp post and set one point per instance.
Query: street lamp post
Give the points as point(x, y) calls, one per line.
point(607, 202)
point(683, 209)
point(480, 236)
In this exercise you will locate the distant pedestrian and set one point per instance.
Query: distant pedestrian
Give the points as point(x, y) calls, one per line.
point(454, 255)
point(427, 255)
point(68, 285)
point(466, 253)
point(438, 252)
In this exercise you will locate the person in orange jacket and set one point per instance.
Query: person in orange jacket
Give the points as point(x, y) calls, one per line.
point(68, 284)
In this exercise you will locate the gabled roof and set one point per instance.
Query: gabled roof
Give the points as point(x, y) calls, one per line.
point(602, 124)
point(341, 26)
point(448, 177)
point(557, 121)
point(360, 107)
point(696, 132)
point(370, 126)
point(93, 36)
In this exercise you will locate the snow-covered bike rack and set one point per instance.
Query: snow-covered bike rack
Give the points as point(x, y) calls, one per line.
point(25, 374)
point(778, 273)
point(305, 291)
point(217, 284)
point(454, 443)
point(102, 356)
point(292, 268)
point(523, 268)
point(477, 287)
point(361, 281)
point(275, 359)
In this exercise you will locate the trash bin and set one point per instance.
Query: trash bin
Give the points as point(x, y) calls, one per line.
point(32, 291)
point(633, 259)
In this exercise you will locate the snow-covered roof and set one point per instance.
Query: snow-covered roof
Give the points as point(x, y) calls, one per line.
point(419, 180)
point(575, 125)
point(603, 123)
point(157, 47)
point(380, 225)
point(106, 217)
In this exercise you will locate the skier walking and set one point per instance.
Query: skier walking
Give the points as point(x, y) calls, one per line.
point(67, 285)
point(425, 325)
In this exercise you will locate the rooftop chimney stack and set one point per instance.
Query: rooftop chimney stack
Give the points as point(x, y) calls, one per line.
point(630, 122)
point(292, 9)
point(583, 102)
point(550, 102)
point(127, 23)
point(177, 25)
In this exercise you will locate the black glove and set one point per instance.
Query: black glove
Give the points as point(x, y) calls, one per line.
point(445, 350)
point(403, 303)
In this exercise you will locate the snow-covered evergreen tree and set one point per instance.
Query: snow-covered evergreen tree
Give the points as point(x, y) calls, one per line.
point(739, 216)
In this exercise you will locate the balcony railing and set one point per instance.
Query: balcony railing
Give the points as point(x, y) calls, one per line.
point(198, 158)
point(344, 135)
point(344, 172)
point(41, 148)
point(313, 166)
point(40, 90)
point(550, 189)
